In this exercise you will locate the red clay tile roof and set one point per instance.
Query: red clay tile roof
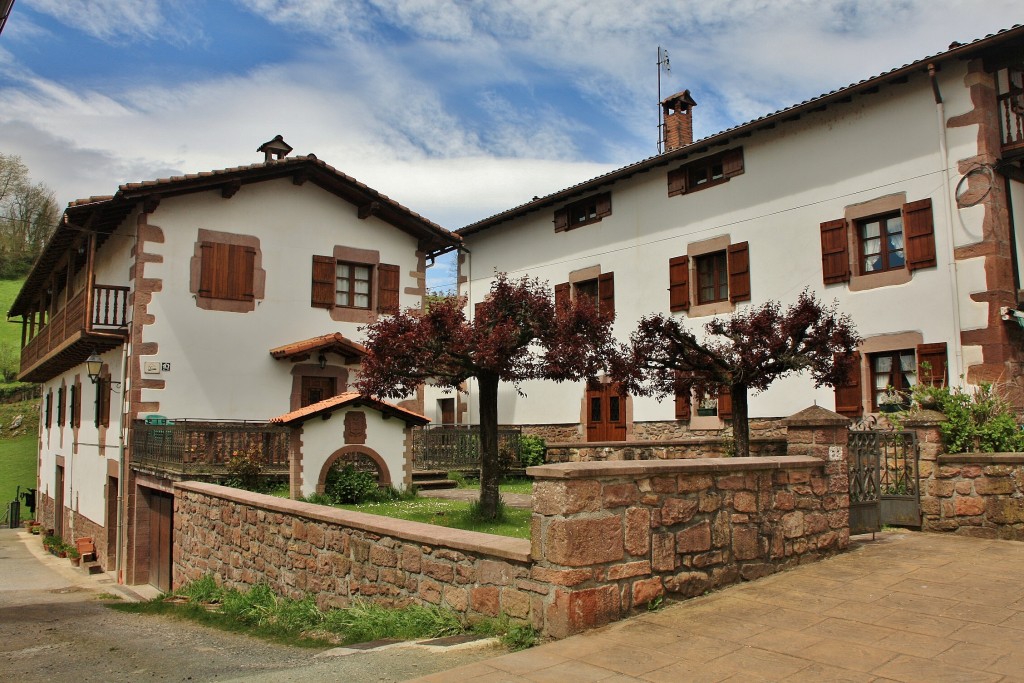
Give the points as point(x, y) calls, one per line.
point(329, 405)
point(333, 343)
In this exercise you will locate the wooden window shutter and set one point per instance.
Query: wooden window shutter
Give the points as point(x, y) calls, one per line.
point(562, 295)
point(835, 252)
point(60, 407)
point(73, 405)
point(677, 181)
point(934, 355)
point(732, 162)
point(739, 272)
point(324, 272)
point(102, 402)
point(683, 405)
point(679, 283)
point(49, 408)
point(919, 233)
point(388, 277)
point(207, 268)
point(849, 400)
point(241, 263)
point(606, 294)
point(561, 219)
point(604, 205)
point(725, 403)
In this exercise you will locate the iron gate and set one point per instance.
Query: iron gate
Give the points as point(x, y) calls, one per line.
point(884, 479)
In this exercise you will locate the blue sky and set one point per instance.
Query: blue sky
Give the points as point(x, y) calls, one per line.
point(456, 109)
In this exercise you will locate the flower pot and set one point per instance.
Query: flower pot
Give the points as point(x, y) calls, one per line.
point(76, 561)
point(890, 408)
point(707, 412)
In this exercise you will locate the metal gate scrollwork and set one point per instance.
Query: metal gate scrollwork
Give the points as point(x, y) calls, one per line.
point(884, 478)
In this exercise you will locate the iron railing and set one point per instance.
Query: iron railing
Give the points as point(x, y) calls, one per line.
point(457, 447)
point(207, 446)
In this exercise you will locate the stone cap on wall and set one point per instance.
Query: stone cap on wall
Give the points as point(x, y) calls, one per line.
point(816, 416)
point(982, 458)
point(516, 549)
point(659, 443)
point(922, 417)
point(654, 468)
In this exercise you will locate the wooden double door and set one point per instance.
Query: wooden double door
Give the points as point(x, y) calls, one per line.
point(606, 413)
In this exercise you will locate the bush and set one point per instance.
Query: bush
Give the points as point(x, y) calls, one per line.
point(975, 421)
point(318, 499)
point(347, 485)
point(531, 450)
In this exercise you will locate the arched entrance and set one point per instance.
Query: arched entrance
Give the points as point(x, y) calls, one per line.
point(362, 458)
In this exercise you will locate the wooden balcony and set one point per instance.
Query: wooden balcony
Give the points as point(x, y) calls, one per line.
point(1011, 125)
point(205, 448)
point(95, 319)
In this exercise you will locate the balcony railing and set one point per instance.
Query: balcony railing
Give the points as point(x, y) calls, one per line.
point(1011, 121)
point(207, 446)
point(108, 316)
point(451, 447)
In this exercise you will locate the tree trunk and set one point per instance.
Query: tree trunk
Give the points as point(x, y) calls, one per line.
point(740, 423)
point(490, 465)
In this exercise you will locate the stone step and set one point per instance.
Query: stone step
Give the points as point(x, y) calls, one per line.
point(433, 484)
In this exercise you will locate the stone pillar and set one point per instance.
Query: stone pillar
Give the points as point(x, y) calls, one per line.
point(929, 441)
point(295, 463)
point(823, 434)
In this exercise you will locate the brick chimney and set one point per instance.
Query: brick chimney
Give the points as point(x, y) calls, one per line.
point(678, 113)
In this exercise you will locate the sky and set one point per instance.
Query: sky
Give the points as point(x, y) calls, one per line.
point(458, 110)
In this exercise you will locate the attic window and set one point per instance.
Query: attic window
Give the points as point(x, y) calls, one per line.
point(705, 172)
point(583, 212)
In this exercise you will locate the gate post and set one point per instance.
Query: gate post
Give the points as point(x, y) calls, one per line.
point(823, 434)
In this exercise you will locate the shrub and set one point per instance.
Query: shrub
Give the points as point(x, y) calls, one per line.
point(531, 450)
point(318, 499)
point(975, 421)
point(245, 468)
point(347, 485)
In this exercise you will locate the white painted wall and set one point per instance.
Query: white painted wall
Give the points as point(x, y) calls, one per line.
point(220, 361)
point(796, 176)
point(321, 438)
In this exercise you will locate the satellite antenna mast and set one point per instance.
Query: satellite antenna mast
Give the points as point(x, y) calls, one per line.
point(662, 62)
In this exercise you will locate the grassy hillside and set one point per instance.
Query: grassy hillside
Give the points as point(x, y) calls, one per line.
point(9, 331)
point(17, 447)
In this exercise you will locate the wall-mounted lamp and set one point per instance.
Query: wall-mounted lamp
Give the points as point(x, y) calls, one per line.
point(93, 365)
point(322, 359)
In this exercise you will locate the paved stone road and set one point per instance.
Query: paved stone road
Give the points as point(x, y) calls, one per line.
point(906, 607)
point(54, 627)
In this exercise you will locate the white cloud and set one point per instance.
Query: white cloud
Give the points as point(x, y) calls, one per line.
point(126, 21)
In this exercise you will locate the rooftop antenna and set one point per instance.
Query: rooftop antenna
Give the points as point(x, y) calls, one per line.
point(662, 62)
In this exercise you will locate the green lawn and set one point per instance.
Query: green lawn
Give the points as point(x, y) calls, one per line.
point(17, 467)
point(449, 513)
point(9, 332)
point(516, 486)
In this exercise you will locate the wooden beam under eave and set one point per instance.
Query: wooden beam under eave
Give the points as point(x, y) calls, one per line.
point(228, 189)
point(300, 178)
point(150, 204)
point(370, 209)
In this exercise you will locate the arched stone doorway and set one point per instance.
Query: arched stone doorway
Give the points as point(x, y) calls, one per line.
point(359, 456)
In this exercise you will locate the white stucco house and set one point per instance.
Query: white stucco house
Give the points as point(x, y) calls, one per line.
point(209, 304)
point(901, 197)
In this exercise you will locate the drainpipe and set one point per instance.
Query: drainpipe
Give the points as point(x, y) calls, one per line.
point(947, 202)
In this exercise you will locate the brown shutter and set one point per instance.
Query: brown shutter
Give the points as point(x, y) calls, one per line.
point(683, 407)
point(677, 181)
point(935, 355)
point(207, 268)
point(561, 219)
point(732, 162)
point(679, 283)
point(835, 252)
point(739, 272)
point(75, 403)
point(387, 288)
point(725, 403)
point(919, 232)
point(241, 262)
point(604, 205)
point(103, 402)
point(324, 272)
point(49, 408)
point(606, 294)
point(561, 296)
point(849, 400)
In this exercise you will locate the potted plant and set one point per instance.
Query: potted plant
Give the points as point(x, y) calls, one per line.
point(707, 407)
point(74, 556)
point(891, 401)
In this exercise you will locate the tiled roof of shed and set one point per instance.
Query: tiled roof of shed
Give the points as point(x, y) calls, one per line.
point(334, 403)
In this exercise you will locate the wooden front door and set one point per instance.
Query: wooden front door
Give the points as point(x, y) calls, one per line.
point(316, 389)
point(161, 529)
point(606, 414)
point(447, 408)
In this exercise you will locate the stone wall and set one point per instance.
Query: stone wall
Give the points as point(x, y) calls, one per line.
point(617, 535)
point(971, 494)
point(694, 447)
point(301, 549)
point(667, 430)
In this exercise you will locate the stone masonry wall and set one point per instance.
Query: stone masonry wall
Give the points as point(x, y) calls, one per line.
point(695, 447)
point(613, 536)
point(971, 494)
point(300, 549)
